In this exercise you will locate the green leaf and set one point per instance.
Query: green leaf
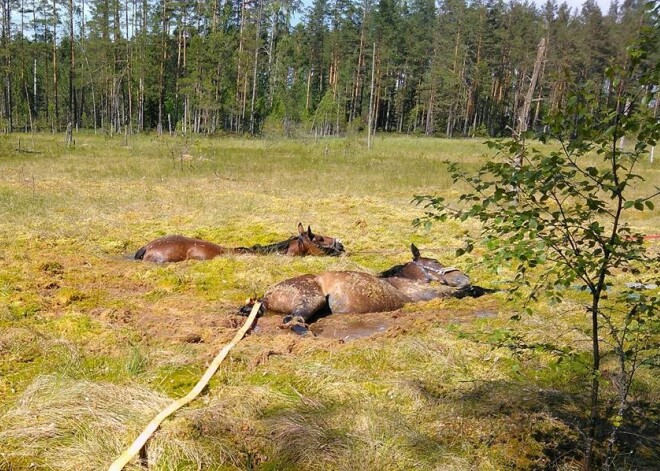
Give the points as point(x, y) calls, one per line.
point(616, 420)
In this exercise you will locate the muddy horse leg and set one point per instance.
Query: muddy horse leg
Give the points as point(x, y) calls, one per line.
point(304, 311)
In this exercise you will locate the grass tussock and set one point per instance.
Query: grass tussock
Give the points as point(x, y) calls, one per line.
point(94, 343)
point(68, 424)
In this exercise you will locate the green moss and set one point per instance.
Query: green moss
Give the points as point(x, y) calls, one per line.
point(21, 309)
point(176, 381)
point(432, 393)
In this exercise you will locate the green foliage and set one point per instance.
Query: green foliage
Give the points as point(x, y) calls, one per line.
point(561, 219)
point(454, 69)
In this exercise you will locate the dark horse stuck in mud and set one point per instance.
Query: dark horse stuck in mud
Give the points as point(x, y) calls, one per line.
point(305, 297)
point(176, 248)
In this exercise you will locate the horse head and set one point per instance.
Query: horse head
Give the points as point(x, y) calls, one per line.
point(432, 270)
point(428, 270)
point(316, 244)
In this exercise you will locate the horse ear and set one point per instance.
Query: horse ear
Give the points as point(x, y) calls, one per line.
point(310, 234)
point(301, 229)
point(415, 251)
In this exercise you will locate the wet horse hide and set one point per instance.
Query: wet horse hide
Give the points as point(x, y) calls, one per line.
point(305, 297)
point(176, 248)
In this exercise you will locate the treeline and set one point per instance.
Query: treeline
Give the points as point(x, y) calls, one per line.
point(453, 68)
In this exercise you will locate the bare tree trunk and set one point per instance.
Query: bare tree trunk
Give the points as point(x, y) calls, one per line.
point(240, 94)
point(6, 39)
point(129, 64)
point(523, 114)
point(118, 115)
point(371, 99)
point(309, 88)
point(91, 81)
point(69, 135)
point(255, 67)
point(161, 73)
point(56, 123)
point(356, 102)
point(34, 86)
point(23, 68)
point(271, 44)
point(141, 60)
point(429, 125)
point(72, 118)
point(179, 61)
point(655, 115)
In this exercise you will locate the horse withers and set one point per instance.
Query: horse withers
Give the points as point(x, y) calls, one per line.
point(303, 298)
point(177, 248)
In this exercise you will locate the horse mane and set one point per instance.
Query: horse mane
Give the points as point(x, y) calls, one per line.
point(139, 255)
point(282, 247)
point(390, 272)
point(277, 247)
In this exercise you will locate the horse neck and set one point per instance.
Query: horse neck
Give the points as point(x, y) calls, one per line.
point(278, 247)
point(390, 272)
point(409, 270)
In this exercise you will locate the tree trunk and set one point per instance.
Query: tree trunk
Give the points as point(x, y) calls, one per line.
point(255, 67)
point(309, 88)
point(271, 46)
point(129, 64)
point(56, 122)
point(356, 102)
point(371, 99)
point(71, 118)
point(240, 85)
point(523, 113)
point(161, 72)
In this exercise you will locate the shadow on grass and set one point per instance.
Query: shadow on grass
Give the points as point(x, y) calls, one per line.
point(365, 436)
point(556, 421)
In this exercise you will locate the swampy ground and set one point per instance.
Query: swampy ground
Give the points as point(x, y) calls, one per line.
point(93, 343)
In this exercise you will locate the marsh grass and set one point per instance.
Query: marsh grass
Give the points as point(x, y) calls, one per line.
point(92, 343)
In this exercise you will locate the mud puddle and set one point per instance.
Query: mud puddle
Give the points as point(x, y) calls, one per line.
point(350, 329)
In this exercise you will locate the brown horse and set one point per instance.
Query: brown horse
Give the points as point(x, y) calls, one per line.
point(427, 270)
point(304, 297)
point(176, 248)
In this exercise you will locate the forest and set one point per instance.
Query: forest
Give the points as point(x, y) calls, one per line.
point(452, 68)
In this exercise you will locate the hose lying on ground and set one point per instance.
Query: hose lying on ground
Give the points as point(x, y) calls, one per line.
point(139, 442)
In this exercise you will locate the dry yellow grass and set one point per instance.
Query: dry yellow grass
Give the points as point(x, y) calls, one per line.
point(92, 343)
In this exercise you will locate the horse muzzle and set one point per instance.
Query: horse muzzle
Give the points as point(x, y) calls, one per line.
point(338, 247)
point(247, 308)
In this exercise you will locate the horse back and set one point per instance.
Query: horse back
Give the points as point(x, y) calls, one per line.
point(357, 292)
point(176, 248)
point(299, 296)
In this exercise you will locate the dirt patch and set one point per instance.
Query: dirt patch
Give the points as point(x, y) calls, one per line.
point(187, 319)
point(349, 327)
point(182, 326)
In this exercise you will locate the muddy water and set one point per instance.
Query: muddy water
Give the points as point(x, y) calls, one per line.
point(350, 330)
point(348, 327)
